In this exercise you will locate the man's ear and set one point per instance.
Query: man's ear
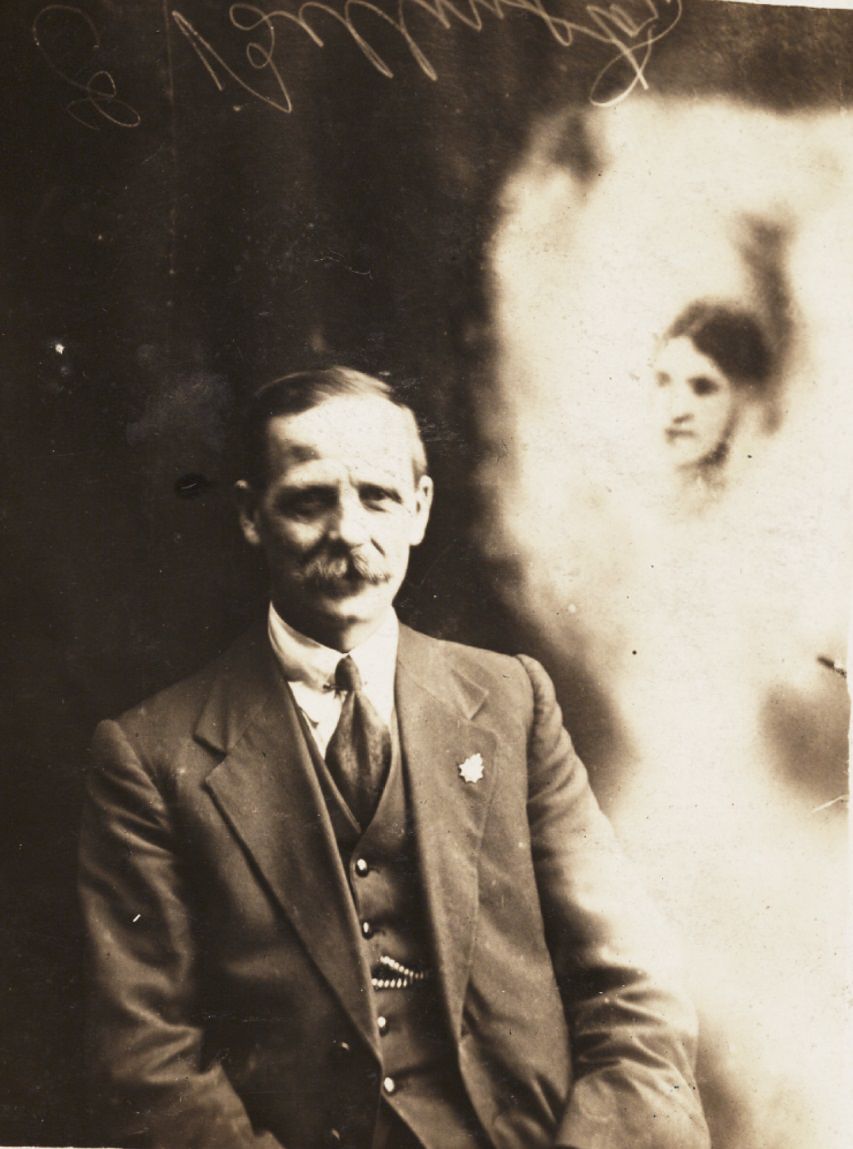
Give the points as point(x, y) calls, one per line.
point(247, 508)
point(423, 505)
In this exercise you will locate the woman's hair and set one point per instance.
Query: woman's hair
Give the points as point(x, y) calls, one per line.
point(730, 336)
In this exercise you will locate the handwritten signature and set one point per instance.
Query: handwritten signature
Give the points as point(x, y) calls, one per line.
point(629, 30)
point(100, 100)
point(631, 37)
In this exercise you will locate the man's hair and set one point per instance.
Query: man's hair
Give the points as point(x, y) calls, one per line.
point(731, 337)
point(302, 390)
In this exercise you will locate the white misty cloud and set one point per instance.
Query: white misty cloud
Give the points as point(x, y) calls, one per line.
point(699, 605)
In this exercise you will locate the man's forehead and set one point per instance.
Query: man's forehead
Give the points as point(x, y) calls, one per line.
point(302, 469)
point(357, 431)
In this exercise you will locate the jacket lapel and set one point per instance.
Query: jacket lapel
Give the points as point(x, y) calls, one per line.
point(435, 708)
point(267, 790)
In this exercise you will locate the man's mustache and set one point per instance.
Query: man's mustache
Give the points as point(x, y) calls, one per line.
point(327, 571)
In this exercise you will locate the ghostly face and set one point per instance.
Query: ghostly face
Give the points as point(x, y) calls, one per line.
point(338, 515)
point(697, 404)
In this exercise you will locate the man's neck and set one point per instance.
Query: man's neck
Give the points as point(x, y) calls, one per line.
point(343, 639)
point(349, 639)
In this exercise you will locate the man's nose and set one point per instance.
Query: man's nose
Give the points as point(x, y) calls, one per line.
point(350, 521)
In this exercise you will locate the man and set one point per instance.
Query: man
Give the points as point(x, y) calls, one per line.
point(348, 886)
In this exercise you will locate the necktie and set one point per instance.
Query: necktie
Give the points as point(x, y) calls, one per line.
point(359, 751)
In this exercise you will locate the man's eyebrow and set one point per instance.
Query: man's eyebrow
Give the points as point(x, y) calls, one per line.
point(297, 453)
point(300, 486)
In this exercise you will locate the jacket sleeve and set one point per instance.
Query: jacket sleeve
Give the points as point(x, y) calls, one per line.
point(152, 1086)
point(633, 1030)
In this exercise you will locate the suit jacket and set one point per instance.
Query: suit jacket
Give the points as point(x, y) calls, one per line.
point(230, 996)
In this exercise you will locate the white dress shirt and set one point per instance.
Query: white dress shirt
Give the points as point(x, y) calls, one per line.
point(310, 670)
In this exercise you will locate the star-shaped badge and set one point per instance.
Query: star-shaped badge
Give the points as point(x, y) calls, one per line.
point(471, 770)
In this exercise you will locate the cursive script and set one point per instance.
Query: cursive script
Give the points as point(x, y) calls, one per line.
point(629, 31)
point(99, 102)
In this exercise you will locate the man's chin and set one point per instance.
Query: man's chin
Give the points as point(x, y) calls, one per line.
point(329, 613)
point(354, 605)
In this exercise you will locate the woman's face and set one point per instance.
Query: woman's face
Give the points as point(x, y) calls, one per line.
point(697, 405)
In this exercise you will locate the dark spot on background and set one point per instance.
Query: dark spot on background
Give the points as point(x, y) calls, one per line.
point(192, 485)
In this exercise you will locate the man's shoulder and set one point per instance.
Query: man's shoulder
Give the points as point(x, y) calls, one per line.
point(229, 688)
point(422, 650)
point(171, 713)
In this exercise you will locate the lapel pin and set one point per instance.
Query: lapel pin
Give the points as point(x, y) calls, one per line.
point(471, 770)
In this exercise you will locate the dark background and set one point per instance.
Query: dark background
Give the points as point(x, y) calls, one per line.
point(178, 262)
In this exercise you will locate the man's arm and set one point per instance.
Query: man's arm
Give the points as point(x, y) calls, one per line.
point(633, 1031)
point(151, 1085)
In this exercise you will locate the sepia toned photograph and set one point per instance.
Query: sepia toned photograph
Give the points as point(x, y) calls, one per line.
point(428, 553)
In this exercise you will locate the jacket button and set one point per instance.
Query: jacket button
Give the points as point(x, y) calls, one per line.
point(382, 1024)
point(333, 1137)
point(361, 867)
point(367, 929)
point(389, 1085)
point(342, 1047)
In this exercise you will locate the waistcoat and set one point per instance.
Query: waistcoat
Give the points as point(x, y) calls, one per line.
point(421, 1081)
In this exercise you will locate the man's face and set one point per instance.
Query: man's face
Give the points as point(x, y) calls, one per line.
point(338, 515)
point(697, 404)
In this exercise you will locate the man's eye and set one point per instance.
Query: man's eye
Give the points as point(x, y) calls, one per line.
point(377, 496)
point(304, 503)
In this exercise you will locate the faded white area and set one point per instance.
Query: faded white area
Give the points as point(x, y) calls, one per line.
point(700, 611)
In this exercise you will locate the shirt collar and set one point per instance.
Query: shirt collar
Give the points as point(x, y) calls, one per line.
point(312, 665)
